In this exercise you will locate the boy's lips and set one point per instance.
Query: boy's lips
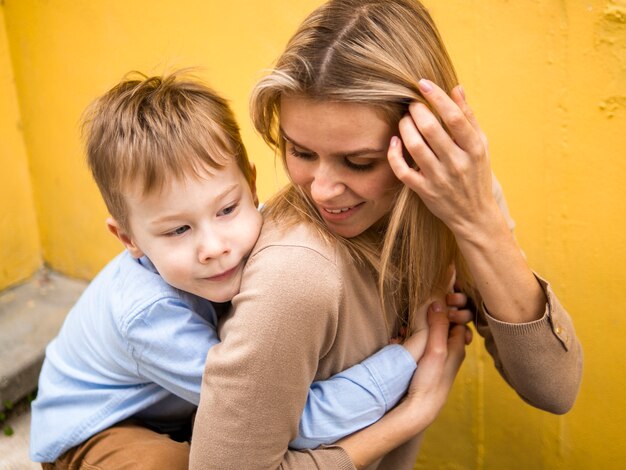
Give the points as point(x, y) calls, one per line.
point(224, 275)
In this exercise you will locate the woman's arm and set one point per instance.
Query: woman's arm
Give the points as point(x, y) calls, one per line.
point(454, 181)
point(454, 173)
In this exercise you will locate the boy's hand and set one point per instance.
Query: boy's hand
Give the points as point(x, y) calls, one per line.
point(416, 343)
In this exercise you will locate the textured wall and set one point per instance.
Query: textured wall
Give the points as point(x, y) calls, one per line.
point(547, 80)
point(20, 254)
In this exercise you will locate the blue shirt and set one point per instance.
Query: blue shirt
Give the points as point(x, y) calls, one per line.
point(134, 346)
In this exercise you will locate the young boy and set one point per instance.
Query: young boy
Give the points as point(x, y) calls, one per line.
point(121, 381)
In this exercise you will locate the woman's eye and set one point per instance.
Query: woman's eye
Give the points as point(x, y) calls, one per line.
point(178, 231)
point(302, 155)
point(359, 166)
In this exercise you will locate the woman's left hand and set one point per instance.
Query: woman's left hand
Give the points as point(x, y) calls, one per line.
point(452, 174)
point(458, 310)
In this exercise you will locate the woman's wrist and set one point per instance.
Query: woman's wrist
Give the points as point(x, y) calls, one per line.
point(500, 272)
point(402, 423)
point(483, 228)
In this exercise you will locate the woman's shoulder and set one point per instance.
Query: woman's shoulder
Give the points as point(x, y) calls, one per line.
point(296, 238)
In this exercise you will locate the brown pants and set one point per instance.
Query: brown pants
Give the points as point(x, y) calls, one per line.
point(127, 445)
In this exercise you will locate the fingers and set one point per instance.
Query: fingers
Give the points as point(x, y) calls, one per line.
point(458, 96)
point(460, 317)
point(456, 299)
point(469, 336)
point(439, 326)
point(454, 114)
point(412, 178)
point(456, 349)
point(423, 137)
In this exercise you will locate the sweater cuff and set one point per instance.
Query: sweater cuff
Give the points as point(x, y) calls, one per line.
point(341, 459)
point(549, 319)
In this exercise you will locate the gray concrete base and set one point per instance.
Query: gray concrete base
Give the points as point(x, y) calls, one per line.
point(14, 449)
point(30, 316)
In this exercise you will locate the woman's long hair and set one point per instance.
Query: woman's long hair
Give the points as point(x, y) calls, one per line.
point(371, 52)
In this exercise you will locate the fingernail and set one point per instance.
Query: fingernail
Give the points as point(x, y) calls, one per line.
point(394, 141)
point(426, 86)
point(462, 91)
point(437, 307)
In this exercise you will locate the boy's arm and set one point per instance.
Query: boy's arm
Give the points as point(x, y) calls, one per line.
point(354, 398)
point(169, 342)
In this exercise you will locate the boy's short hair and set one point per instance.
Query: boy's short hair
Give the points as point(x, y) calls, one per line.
point(146, 130)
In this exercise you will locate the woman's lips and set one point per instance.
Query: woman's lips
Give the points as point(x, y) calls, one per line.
point(339, 214)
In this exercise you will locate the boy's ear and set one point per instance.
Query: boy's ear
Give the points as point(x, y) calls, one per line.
point(116, 229)
point(253, 184)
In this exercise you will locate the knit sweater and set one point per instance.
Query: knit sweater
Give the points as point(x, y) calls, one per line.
point(306, 311)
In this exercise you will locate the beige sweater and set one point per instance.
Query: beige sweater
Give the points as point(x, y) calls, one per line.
point(306, 312)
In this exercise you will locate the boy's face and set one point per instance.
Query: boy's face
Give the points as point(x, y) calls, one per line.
point(197, 232)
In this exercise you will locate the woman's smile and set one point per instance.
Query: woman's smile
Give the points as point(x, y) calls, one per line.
point(337, 153)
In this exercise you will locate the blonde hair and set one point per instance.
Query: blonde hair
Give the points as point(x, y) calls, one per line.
point(146, 130)
point(372, 52)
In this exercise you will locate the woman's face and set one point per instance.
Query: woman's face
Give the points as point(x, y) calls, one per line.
point(337, 153)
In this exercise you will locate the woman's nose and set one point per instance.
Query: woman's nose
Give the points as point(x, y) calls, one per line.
point(326, 184)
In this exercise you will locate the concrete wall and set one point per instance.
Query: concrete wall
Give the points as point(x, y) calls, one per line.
point(547, 80)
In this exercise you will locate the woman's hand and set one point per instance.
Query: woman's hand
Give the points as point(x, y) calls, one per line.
point(453, 178)
point(443, 356)
point(428, 391)
point(452, 174)
point(457, 314)
point(458, 310)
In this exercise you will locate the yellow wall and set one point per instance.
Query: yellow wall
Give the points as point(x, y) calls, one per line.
point(20, 254)
point(548, 82)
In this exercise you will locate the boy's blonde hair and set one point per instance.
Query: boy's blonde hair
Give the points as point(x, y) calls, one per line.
point(146, 130)
point(372, 52)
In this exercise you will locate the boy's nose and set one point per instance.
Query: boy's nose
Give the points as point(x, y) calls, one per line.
point(212, 248)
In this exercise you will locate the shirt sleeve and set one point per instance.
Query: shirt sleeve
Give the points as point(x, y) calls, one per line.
point(257, 379)
point(355, 398)
point(169, 343)
point(542, 360)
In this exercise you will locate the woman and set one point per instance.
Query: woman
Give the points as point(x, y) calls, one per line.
point(390, 188)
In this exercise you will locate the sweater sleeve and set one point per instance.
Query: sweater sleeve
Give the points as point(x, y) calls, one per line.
point(542, 360)
point(256, 380)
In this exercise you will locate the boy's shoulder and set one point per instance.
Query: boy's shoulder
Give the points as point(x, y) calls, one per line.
point(126, 287)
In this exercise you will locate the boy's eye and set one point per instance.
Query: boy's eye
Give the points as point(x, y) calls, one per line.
point(179, 230)
point(228, 210)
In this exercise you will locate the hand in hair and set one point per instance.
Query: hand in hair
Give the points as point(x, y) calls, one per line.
point(453, 179)
point(453, 175)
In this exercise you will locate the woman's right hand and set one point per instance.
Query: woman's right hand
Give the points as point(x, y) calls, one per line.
point(428, 391)
point(438, 367)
